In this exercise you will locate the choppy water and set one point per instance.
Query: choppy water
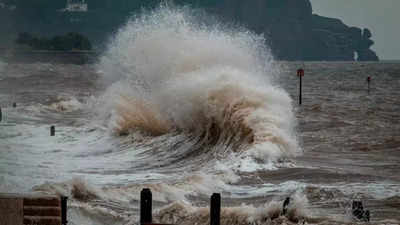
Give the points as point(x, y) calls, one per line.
point(187, 110)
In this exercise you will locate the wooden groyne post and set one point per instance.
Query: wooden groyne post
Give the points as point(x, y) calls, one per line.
point(52, 131)
point(146, 206)
point(64, 207)
point(215, 209)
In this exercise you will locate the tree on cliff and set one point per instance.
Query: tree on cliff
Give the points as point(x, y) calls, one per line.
point(70, 41)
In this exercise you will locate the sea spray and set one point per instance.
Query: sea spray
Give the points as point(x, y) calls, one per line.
point(269, 213)
point(170, 72)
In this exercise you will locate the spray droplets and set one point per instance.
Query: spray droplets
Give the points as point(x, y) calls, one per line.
point(174, 72)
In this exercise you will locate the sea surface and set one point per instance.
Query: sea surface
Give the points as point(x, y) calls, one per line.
point(187, 110)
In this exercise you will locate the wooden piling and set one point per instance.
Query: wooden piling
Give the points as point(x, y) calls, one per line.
point(52, 131)
point(146, 206)
point(215, 209)
point(285, 206)
point(64, 208)
point(1, 115)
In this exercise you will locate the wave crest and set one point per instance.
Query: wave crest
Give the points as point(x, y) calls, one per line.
point(170, 72)
point(137, 115)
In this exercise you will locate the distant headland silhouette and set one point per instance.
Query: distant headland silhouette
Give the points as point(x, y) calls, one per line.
point(291, 29)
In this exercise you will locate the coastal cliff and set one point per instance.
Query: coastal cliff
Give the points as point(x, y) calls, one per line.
point(291, 29)
point(294, 33)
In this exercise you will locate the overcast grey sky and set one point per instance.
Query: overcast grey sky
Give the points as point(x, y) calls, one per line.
point(382, 17)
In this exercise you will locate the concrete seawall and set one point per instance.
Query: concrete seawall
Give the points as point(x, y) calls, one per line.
point(11, 210)
point(18, 209)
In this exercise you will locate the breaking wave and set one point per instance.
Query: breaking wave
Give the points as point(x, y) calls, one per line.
point(270, 213)
point(169, 72)
point(105, 206)
point(65, 104)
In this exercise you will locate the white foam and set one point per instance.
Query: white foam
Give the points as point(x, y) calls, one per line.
point(181, 68)
point(66, 104)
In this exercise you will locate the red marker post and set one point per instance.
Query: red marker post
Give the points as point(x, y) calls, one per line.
point(300, 74)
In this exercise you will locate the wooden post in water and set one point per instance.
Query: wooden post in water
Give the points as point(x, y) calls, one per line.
point(52, 131)
point(215, 209)
point(14, 105)
point(285, 206)
point(64, 207)
point(368, 81)
point(1, 115)
point(300, 74)
point(146, 206)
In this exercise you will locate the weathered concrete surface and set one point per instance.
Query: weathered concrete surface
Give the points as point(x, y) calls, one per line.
point(16, 209)
point(11, 210)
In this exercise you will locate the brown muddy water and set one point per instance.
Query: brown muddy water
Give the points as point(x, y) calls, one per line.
point(161, 110)
point(349, 139)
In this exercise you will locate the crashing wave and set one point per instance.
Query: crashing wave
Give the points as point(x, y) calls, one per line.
point(171, 73)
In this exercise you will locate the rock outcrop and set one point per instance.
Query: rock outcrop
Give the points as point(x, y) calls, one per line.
point(363, 50)
point(294, 33)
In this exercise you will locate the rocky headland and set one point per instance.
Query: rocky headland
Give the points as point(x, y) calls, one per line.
point(291, 29)
point(295, 33)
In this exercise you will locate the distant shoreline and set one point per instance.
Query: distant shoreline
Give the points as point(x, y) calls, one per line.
point(89, 57)
point(48, 56)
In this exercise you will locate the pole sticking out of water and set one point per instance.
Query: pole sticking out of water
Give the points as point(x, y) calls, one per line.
point(64, 207)
point(368, 81)
point(215, 209)
point(52, 131)
point(285, 206)
point(14, 105)
point(146, 206)
point(1, 115)
point(300, 74)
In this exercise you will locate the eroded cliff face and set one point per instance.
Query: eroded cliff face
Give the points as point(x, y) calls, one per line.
point(294, 33)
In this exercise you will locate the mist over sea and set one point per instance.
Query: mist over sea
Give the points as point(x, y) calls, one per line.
point(187, 109)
